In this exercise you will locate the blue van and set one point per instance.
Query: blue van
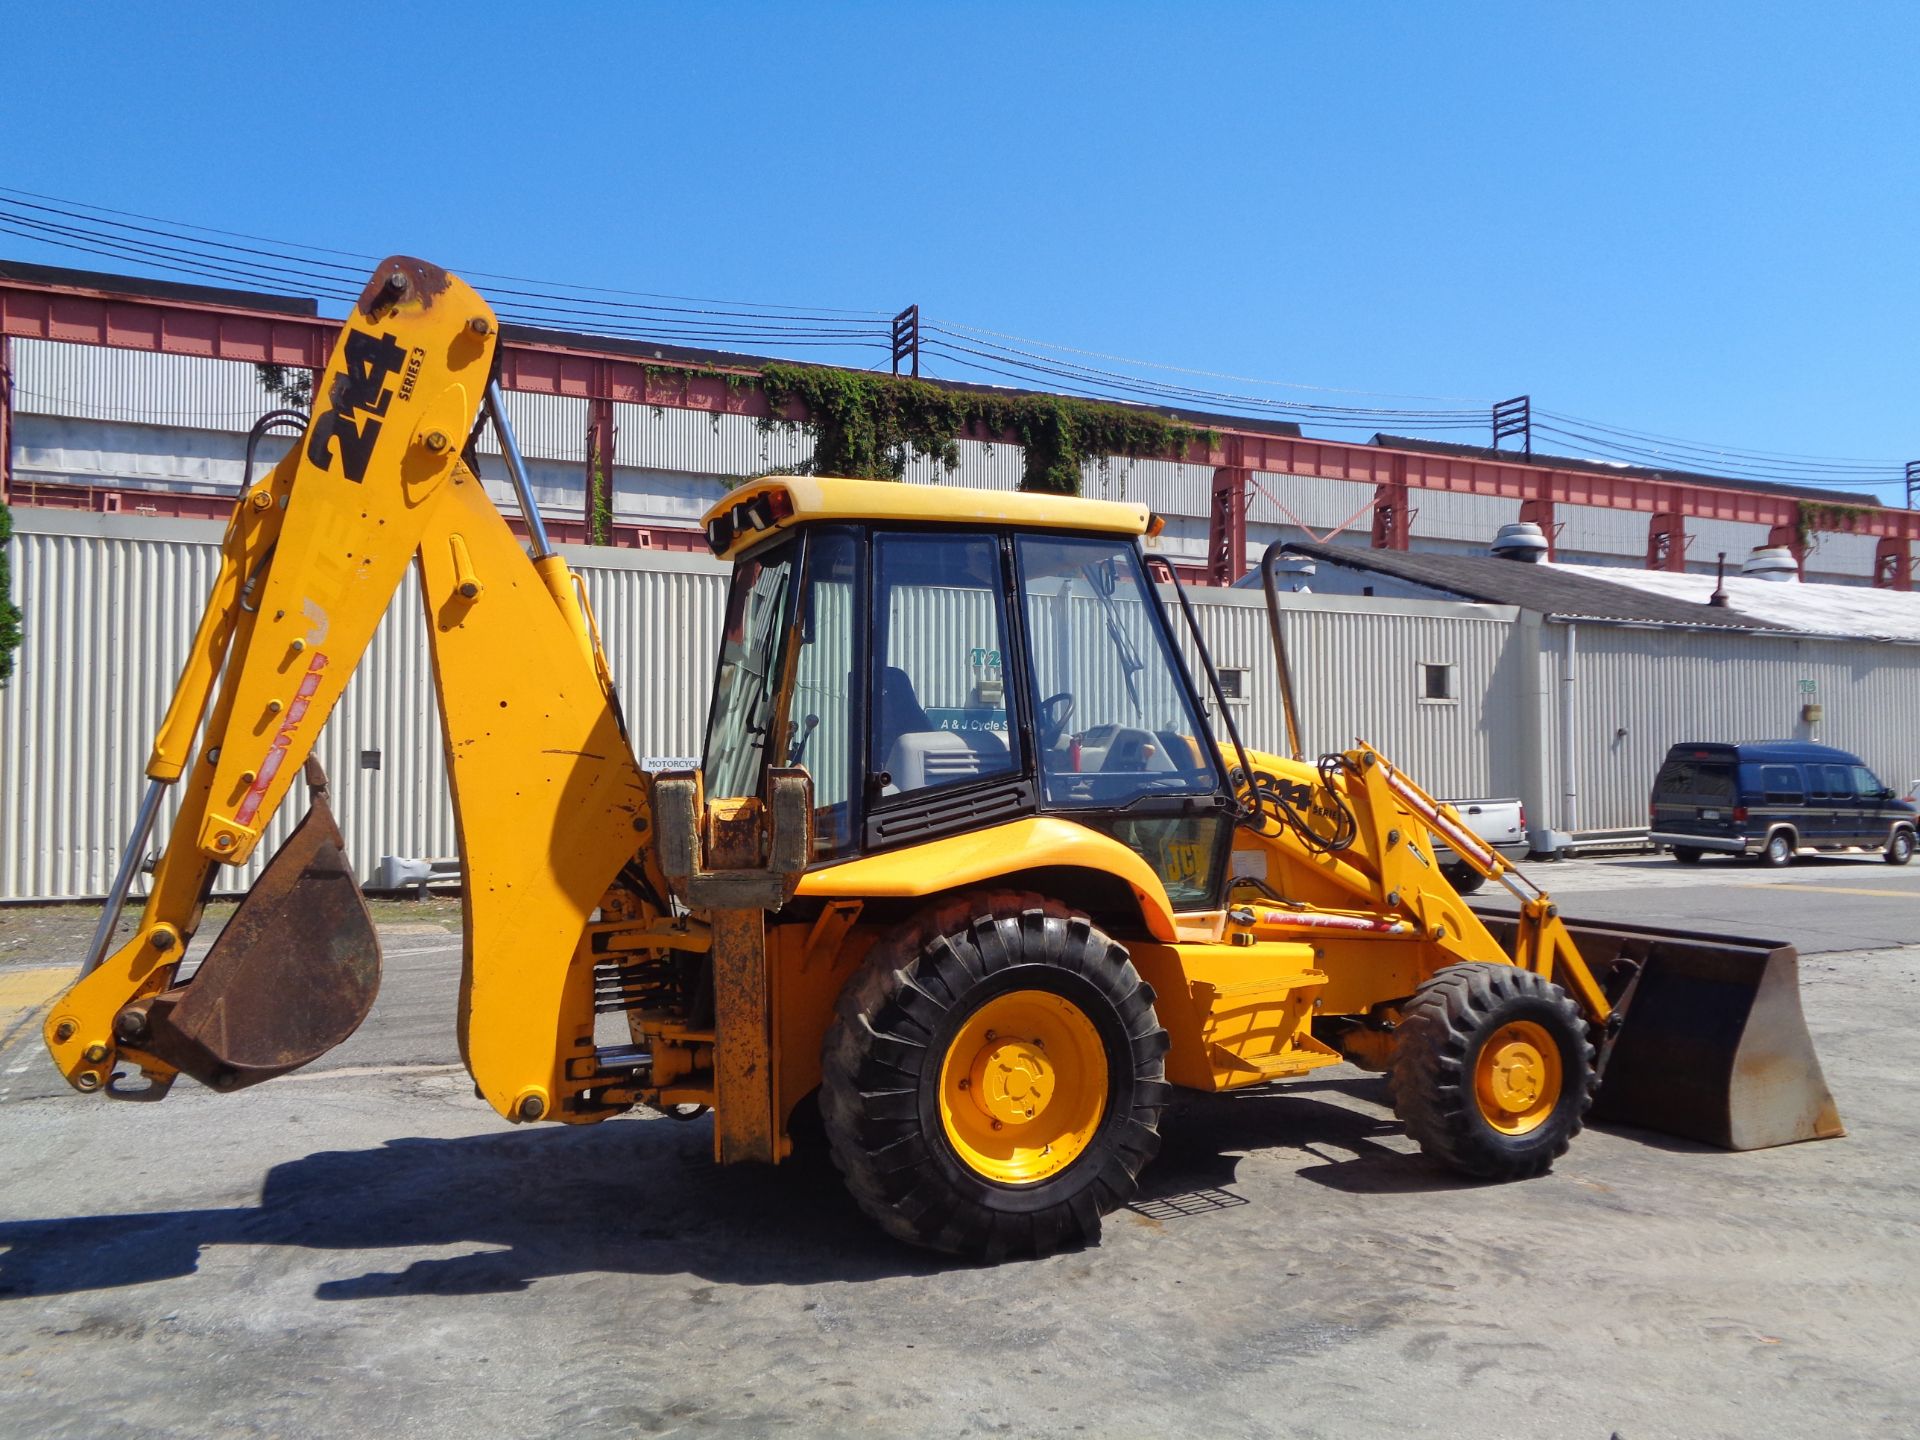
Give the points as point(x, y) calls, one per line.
point(1773, 798)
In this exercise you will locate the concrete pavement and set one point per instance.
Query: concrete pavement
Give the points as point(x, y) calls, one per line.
point(365, 1249)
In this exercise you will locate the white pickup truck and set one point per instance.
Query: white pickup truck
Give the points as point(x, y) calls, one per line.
point(1501, 823)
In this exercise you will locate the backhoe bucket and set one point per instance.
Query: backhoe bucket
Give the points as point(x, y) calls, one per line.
point(1713, 1046)
point(293, 974)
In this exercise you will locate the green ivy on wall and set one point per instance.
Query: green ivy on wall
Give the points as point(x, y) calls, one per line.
point(9, 612)
point(1812, 515)
point(599, 507)
point(868, 426)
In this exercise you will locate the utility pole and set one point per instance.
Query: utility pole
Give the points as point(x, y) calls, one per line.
point(906, 339)
point(1514, 417)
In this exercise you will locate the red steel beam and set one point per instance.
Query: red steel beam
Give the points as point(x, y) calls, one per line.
point(41, 311)
point(183, 505)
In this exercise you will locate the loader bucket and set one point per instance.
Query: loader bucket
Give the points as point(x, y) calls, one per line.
point(292, 975)
point(1713, 1045)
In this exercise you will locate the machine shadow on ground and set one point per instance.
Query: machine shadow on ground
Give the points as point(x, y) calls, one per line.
point(646, 1198)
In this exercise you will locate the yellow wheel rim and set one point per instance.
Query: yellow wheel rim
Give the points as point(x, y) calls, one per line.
point(1023, 1087)
point(1516, 1078)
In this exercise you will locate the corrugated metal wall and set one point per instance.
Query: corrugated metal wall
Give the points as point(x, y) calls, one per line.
point(110, 617)
point(1357, 675)
point(1639, 691)
point(111, 605)
point(111, 602)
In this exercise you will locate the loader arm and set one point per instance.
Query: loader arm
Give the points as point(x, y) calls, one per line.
point(549, 803)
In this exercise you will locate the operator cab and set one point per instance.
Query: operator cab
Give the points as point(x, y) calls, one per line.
point(942, 661)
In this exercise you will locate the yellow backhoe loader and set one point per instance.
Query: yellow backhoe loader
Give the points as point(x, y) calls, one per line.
point(963, 861)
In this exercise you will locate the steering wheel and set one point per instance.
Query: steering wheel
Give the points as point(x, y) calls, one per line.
point(1055, 711)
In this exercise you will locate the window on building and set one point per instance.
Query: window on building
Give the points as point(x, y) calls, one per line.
point(1233, 682)
point(1437, 683)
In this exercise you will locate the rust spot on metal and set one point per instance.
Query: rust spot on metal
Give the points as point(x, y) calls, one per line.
point(423, 283)
point(293, 974)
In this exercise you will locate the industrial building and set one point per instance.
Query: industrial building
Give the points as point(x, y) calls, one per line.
point(1556, 684)
point(125, 408)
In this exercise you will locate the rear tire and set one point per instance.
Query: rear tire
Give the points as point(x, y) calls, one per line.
point(1687, 855)
point(1900, 848)
point(1464, 878)
point(993, 1079)
point(1779, 850)
point(1493, 1073)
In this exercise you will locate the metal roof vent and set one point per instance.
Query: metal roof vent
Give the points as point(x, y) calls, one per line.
point(1291, 573)
point(1522, 540)
point(1771, 562)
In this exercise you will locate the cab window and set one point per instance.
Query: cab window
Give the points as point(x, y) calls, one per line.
point(1113, 721)
point(820, 731)
point(939, 712)
point(748, 678)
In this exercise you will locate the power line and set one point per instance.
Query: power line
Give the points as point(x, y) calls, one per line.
point(1213, 374)
point(293, 268)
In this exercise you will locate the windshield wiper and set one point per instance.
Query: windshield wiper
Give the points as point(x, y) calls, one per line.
point(1102, 581)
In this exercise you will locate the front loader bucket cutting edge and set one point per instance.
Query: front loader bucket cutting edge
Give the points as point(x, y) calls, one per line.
point(293, 974)
point(1713, 1045)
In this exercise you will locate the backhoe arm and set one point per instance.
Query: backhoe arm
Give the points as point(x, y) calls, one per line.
point(549, 803)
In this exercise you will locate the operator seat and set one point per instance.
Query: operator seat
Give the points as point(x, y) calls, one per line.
point(918, 752)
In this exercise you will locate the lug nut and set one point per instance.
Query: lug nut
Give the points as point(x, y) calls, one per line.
point(996, 1124)
point(965, 1083)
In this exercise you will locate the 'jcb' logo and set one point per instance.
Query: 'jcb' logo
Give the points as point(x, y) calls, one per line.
point(361, 389)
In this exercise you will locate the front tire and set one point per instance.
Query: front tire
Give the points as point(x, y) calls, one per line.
point(993, 1079)
point(1900, 848)
point(1492, 1073)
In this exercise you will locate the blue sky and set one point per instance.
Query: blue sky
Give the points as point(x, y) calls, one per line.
point(1696, 220)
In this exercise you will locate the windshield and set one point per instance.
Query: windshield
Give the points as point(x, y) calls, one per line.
point(1113, 716)
point(748, 678)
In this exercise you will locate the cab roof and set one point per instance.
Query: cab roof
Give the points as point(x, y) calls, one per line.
point(759, 508)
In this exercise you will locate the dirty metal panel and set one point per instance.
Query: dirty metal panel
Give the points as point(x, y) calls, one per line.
point(292, 975)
